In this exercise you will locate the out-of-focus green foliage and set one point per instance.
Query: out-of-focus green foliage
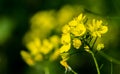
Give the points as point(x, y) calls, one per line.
point(6, 28)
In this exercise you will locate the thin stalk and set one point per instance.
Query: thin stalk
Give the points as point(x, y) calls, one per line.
point(70, 69)
point(101, 66)
point(109, 58)
point(111, 67)
point(46, 69)
point(90, 40)
point(73, 72)
point(94, 42)
point(96, 64)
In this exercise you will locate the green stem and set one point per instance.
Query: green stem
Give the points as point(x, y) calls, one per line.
point(109, 58)
point(111, 67)
point(96, 64)
point(46, 69)
point(90, 39)
point(94, 42)
point(73, 72)
point(70, 70)
point(101, 66)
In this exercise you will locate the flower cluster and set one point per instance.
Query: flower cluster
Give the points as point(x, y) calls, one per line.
point(42, 40)
point(74, 28)
point(39, 48)
point(79, 32)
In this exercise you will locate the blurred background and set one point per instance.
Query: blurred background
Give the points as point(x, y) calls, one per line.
point(15, 18)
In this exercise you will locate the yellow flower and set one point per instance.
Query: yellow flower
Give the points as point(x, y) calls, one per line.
point(55, 55)
point(66, 29)
point(86, 48)
point(104, 29)
point(34, 46)
point(64, 63)
point(43, 19)
point(55, 40)
point(100, 46)
point(27, 58)
point(46, 47)
point(96, 28)
point(66, 13)
point(38, 57)
point(65, 48)
point(79, 30)
point(42, 23)
point(77, 43)
point(73, 23)
point(81, 17)
point(65, 39)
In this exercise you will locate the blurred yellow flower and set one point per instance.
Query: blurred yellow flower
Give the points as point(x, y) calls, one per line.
point(43, 19)
point(40, 49)
point(66, 13)
point(55, 40)
point(100, 46)
point(34, 46)
point(38, 57)
point(43, 22)
point(46, 47)
point(55, 55)
point(27, 58)
point(77, 43)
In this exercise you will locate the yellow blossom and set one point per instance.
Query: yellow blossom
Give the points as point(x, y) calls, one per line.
point(66, 29)
point(65, 39)
point(81, 17)
point(55, 55)
point(66, 13)
point(104, 29)
point(55, 40)
point(87, 48)
point(100, 46)
point(73, 23)
point(64, 63)
point(79, 30)
point(38, 57)
point(34, 46)
point(27, 57)
point(77, 43)
point(65, 48)
point(46, 47)
point(43, 19)
point(42, 23)
point(96, 28)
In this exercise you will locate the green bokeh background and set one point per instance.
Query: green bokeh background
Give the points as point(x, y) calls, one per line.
point(14, 22)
